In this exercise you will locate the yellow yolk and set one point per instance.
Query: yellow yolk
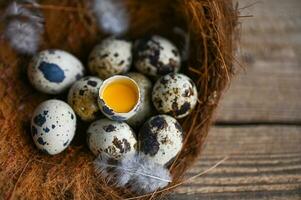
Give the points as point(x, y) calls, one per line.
point(121, 96)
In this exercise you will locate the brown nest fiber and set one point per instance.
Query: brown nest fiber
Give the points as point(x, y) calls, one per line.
point(26, 173)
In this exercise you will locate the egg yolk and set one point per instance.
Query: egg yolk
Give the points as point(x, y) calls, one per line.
point(121, 96)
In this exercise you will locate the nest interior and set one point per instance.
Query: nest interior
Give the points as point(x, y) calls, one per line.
point(26, 173)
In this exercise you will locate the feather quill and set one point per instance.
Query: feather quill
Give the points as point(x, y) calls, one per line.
point(24, 27)
point(134, 171)
point(111, 15)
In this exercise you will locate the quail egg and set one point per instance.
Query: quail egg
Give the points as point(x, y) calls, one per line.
point(145, 109)
point(53, 71)
point(53, 126)
point(82, 97)
point(156, 56)
point(175, 94)
point(116, 139)
point(110, 57)
point(161, 138)
point(119, 98)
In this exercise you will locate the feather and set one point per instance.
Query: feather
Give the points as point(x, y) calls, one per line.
point(24, 27)
point(111, 15)
point(135, 171)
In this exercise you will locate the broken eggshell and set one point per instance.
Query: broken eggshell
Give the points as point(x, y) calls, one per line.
point(53, 71)
point(109, 112)
point(53, 126)
point(146, 109)
point(161, 139)
point(116, 139)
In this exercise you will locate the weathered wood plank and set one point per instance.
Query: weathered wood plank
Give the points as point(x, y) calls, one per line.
point(264, 163)
point(269, 89)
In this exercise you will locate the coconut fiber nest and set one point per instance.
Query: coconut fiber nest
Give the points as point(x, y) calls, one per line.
point(27, 173)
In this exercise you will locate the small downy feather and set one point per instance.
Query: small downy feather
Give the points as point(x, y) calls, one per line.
point(111, 16)
point(135, 171)
point(23, 27)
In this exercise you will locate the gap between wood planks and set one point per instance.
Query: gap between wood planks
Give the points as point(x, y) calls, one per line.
point(256, 123)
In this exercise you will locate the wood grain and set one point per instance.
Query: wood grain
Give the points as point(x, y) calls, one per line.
point(264, 163)
point(265, 160)
point(268, 90)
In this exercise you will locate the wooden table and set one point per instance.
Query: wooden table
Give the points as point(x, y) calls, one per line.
point(259, 120)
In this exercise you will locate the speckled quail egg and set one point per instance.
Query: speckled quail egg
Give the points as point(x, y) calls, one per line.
point(161, 138)
point(175, 94)
point(156, 56)
point(53, 126)
point(53, 71)
point(145, 110)
point(83, 96)
point(110, 57)
point(116, 139)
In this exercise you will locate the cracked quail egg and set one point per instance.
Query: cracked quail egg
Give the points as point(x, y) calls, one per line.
point(156, 56)
point(161, 138)
point(53, 126)
point(174, 94)
point(119, 98)
point(145, 109)
point(53, 71)
point(114, 138)
point(110, 57)
point(83, 96)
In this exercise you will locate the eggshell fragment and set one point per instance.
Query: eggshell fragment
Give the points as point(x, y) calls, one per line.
point(146, 109)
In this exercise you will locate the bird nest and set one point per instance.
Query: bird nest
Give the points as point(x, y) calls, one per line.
point(26, 173)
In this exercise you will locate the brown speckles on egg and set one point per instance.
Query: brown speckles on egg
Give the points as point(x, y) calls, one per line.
point(188, 92)
point(81, 92)
point(54, 73)
point(83, 97)
point(115, 138)
point(111, 150)
point(92, 83)
point(111, 57)
point(160, 139)
point(163, 80)
point(175, 52)
point(121, 63)
point(109, 128)
point(158, 122)
point(47, 136)
point(174, 94)
point(184, 108)
point(104, 55)
point(148, 142)
point(155, 56)
point(123, 145)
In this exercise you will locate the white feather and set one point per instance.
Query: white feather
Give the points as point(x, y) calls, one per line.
point(23, 27)
point(135, 171)
point(111, 15)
